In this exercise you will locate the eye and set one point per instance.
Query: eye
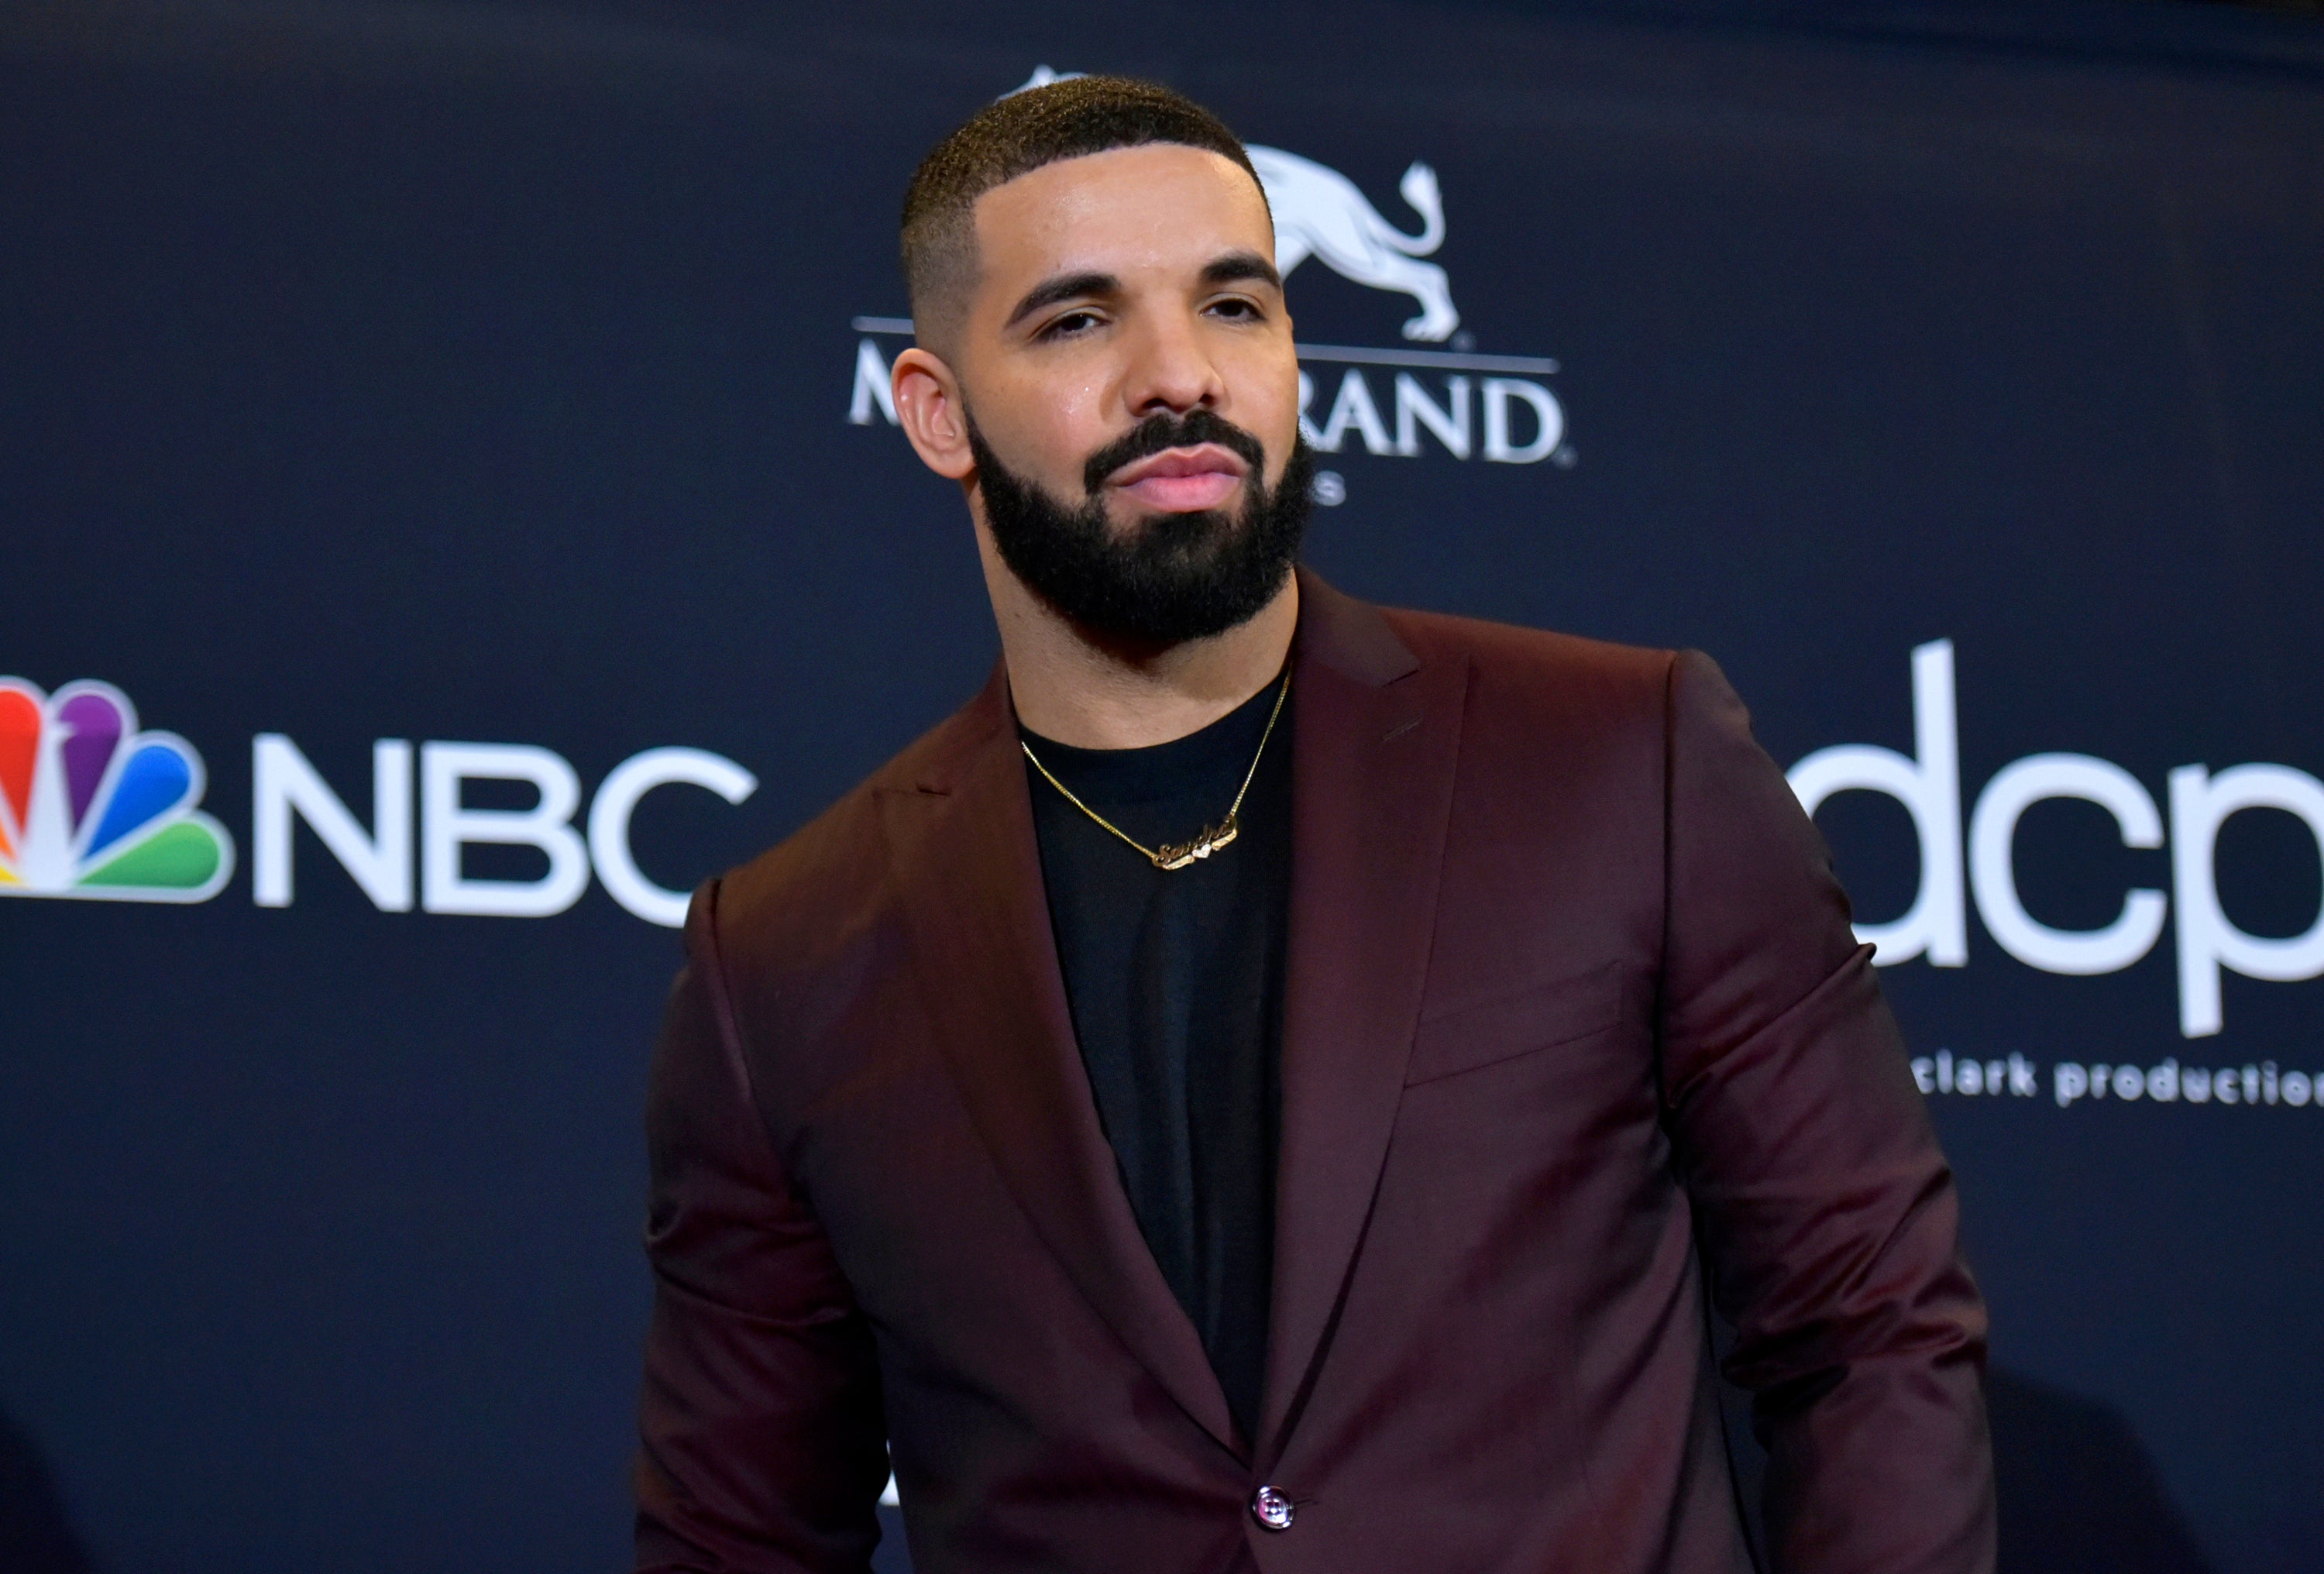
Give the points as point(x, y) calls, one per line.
point(1070, 326)
point(1237, 309)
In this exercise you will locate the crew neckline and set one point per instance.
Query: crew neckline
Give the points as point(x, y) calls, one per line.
point(1154, 770)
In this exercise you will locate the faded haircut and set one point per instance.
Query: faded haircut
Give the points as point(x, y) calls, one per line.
point(1015, 135)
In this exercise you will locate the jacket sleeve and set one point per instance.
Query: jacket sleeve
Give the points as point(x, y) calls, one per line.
point(763, 1448)
point(1825, 1211)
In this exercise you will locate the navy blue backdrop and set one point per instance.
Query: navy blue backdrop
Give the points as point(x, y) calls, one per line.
point(418, 421)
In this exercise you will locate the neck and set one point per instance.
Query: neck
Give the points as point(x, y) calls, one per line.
point(1082, 691)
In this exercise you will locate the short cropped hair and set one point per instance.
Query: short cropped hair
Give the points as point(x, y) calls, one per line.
point(1015, 135)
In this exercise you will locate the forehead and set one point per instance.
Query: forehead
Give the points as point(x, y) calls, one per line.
point(1158, 205)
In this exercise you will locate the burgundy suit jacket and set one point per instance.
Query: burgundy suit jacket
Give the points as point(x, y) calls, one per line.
point(1574, 1023)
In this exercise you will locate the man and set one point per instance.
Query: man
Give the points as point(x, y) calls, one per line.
point(1269, 1083)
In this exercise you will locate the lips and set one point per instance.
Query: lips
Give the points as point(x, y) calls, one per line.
point(1182, 480)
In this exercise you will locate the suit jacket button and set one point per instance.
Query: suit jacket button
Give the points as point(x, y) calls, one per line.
point(1271, 1509)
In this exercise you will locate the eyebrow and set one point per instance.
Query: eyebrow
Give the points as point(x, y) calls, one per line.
point(1063, 287)
point(1237, 265)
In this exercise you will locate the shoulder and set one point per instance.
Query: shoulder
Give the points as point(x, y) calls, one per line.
point(813, 894)
point(1538, 674)
point(1543, 706)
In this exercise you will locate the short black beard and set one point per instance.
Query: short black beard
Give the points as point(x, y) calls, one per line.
point(1177, 576)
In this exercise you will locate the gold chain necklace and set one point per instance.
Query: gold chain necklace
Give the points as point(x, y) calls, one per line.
point(1179, 854)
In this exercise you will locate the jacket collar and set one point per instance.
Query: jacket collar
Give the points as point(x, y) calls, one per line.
point(1376, 737)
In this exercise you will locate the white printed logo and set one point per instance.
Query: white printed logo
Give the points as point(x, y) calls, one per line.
point(1318, 213)
point(1983, 865)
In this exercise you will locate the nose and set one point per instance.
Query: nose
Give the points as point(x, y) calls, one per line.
point(1170, 370)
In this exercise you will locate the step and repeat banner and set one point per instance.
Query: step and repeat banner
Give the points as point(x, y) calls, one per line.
point(451, 504)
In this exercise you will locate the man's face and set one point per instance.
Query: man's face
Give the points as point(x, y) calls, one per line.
point(1131, 391)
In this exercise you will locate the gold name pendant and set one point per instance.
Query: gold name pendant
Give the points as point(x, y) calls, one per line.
point(1180, 854)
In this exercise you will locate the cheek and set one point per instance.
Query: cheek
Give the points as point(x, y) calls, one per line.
point(1271, 414)
point(1049, 431)
point(1262, 385)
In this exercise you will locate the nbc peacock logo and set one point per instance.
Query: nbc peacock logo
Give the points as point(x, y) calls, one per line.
point(92, 807)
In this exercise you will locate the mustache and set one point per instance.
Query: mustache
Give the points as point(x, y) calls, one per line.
point(1157, 432)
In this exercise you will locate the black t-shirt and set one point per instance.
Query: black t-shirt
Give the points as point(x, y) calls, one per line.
point(1175, 979)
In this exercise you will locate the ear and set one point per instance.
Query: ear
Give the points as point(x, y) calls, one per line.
point(928, 407)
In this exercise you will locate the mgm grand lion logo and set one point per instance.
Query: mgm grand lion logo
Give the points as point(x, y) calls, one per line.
point(1474, 405)
point(1318, 213)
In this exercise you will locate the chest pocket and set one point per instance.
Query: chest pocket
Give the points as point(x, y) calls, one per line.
point(1482, 1032)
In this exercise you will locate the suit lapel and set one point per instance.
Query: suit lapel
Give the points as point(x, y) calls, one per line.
point(1376, 737)
point(968, 869)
